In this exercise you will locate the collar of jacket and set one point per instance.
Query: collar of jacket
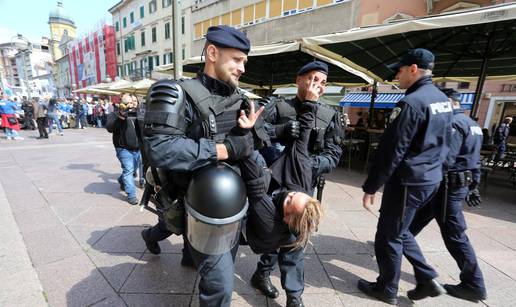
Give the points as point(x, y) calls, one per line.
point(215, 86)
point(422, 81)
point(458, 110)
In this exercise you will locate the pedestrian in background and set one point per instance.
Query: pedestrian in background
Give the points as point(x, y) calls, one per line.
point(40, 113)
point(500, 137)
point(126, 146)
point(9, 120)
point(52, 116)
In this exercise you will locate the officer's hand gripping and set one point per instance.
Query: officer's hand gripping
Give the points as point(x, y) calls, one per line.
point(239, 146)
point(473, 198)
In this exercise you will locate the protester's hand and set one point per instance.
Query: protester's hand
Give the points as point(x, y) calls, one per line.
point(239, 146)
point(368, 201)
point(473, 198)
point(314, 91)
point(247, 122)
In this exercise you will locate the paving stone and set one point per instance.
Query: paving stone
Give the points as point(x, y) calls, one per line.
point(102, 215)
point(344, 243)
point(115, 267)
point(501, 297)
point(344, 271)
point(240, 300)
point(245, 265)
point(121, 239)
point(360, 299)
point(36, 220)
point(503, 261)
point(135, 217)
point(157, 300)
point(316, 278)
point(21, 288)
point(50, 245)
point(76, 282)
point(67, 213)
point(162, 274)
point(87, 235)
point(310, 300)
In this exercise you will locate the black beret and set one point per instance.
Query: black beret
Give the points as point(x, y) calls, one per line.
point(315, 65)
point(421, 57)
point(228, 37)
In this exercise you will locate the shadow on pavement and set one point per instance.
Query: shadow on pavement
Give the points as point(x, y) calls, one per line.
point(109, 184)
point(126, 273)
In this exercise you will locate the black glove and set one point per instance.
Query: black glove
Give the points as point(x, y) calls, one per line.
point(289, 130)
point(239, 146)
point(473, 198)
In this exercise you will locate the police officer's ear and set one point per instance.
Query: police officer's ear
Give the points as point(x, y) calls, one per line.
point(413, 68)
point(212, 53)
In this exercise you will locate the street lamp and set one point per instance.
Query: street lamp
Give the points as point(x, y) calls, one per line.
point(23, 46)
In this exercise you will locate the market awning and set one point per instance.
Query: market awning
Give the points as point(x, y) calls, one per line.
point(389, 100)
point(276, 65)
point(479, 43)
point(459, 40)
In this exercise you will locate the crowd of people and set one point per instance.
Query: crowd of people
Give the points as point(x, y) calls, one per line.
point(48, 113)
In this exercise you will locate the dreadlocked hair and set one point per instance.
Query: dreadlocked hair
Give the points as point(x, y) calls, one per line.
point(306, 223)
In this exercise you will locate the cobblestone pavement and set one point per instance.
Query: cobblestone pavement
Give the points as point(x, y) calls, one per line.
point(83, 240)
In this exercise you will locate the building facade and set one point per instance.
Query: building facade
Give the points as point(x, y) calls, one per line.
point(62, 30)
point(144, 35)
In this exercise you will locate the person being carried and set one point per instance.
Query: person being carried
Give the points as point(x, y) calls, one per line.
point(282, 214)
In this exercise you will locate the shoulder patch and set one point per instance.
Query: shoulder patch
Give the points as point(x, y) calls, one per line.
point(395, 112)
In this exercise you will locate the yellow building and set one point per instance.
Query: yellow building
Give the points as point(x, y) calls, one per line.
point(60, 25)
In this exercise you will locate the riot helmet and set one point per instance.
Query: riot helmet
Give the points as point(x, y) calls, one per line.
point(215, 204)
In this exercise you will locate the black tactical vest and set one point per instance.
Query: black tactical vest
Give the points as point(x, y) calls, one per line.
point(323, 118)
point(218, 114)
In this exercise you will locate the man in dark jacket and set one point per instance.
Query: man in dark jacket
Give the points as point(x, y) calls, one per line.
point(500, 139)
point(414, 147)
point(461, 180)
point(126, 146)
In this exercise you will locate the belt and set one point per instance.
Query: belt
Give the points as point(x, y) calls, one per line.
point(459, 179)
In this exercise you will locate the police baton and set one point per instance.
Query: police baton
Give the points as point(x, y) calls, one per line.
point(444, 198)
point(321, 182)
point(403, 206)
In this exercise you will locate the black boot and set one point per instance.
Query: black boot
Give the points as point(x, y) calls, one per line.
point(371, 289)
point(264, 284)
point(152, 246)
point(466, 293)
point(430, 288)
point(293, 301)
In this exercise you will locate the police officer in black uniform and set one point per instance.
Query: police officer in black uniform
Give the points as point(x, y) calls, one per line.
point(324, 148)
point(460, 183)
point(411, 153)
point(190, 124)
